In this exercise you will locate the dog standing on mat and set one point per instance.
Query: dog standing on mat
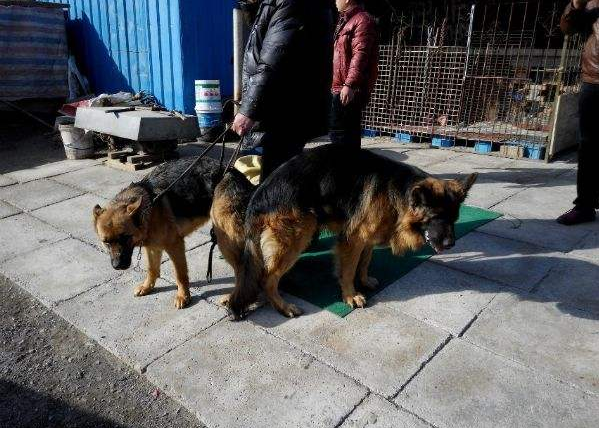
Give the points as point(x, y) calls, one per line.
point(231, 199)
point(131, 219)
point(366, 198)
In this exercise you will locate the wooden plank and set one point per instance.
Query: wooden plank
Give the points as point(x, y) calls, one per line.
point(120, 154)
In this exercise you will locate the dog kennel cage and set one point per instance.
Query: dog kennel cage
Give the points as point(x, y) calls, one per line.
point(490, 77)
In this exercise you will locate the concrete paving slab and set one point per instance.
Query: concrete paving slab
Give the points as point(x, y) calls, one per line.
point(5, 180)
point(487, 193)
point(100, 180)
point(387, 143)
point(542, 336)
point(588, 248)
point(376, 412)
point(484, 161)
point(377, 346)
point(513, 263)
point(534, 203)
point(60, 271)
point(572, 282)
point(223, 279)
point(6, 210)
point(445, 298)
point(73, 216)
point(546, 202)
point(545, 233)
point(416, 157)
point(22, 233)
point(51, 169)
point(37, 194)
point(236, 375)
point(466, 386)
point(138, 329)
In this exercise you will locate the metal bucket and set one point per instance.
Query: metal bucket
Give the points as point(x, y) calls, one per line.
point(208, 96)
point(78, 143)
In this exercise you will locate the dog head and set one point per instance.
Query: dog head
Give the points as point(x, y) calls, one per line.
point(434, 209)
point(119, 228)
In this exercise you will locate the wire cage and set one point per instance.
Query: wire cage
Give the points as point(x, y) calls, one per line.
point(484, 77)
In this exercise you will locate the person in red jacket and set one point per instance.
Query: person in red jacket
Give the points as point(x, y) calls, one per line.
point(355, 59)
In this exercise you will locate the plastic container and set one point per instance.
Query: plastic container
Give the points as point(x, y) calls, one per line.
point(78, 143)
point(403, 137)
point(207, 94)
point(442, 142)
point(370, 133)
point(534, 151)
point(483, 147)
point(208, 119)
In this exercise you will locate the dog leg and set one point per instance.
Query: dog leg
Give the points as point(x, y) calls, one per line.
point(348, 257)
point(271, 289)
point(281, 248)
point(177, 254)
point(365, 280)
point(153, 257)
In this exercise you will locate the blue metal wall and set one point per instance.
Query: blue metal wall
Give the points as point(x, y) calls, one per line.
point(157, 45)
point(207, 41)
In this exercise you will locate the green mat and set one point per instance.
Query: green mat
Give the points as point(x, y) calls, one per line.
point(312, 278)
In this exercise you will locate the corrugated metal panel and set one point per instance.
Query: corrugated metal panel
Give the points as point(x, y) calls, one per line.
point(156, 45)
point(207, 44)
point(33, 52)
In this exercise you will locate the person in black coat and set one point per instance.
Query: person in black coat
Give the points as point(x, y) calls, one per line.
point(286, 78)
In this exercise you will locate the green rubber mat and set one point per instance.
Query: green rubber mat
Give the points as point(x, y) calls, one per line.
point(312, 278)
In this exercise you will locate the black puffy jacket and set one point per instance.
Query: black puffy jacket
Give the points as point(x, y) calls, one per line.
point(287, 66)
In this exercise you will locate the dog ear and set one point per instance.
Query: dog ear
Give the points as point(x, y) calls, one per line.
point(420, 196)
point(466, 183)
point(97, 211)
point(133, 207)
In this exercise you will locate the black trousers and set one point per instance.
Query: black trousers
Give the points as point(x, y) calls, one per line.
point(346, 122)
point(588, 151)
point(277, 148)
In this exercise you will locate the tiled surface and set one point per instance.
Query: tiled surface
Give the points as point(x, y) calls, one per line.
point(499, 331)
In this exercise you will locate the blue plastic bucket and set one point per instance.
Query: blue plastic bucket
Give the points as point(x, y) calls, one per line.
point(208, 119)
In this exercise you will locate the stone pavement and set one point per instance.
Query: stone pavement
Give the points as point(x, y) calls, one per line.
point(501, 331)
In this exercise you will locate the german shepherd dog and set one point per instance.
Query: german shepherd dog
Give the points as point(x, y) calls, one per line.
point(130, 219)
point(231, 199)
point(366, 198)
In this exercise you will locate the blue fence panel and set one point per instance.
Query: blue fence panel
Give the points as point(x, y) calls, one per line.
point(207, 32)
point(157, 45)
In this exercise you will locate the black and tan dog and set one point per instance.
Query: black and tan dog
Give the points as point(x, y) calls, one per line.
point(130, 220)
point(366, 198)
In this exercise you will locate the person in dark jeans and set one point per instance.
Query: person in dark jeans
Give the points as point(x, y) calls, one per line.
point(286, 78)
point(355, 62)
point(582, 16)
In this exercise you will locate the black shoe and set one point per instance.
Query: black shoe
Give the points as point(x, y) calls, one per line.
point(577, 215)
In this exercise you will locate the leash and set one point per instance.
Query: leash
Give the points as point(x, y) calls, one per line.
point(222, 172)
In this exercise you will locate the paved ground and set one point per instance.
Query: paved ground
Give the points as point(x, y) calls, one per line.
point(502, 331)
point(51, 375)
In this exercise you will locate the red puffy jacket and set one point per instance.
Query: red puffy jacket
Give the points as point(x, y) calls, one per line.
point(355, 58)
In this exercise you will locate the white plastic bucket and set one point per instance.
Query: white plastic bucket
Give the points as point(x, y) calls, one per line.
point(208, 96)
point(208, 119)
point(78, 143)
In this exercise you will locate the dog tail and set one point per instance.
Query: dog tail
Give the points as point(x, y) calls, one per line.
point(249, 280)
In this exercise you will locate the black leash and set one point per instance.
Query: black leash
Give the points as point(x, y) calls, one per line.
point(212, 239)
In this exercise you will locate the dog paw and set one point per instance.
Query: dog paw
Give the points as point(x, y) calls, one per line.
point(370, 282)
point(182, 300)
point(355, 301)
point(291, 311)
point(142, 290)
point(224, 301)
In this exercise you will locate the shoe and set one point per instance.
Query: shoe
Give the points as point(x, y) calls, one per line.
point(577, 215)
